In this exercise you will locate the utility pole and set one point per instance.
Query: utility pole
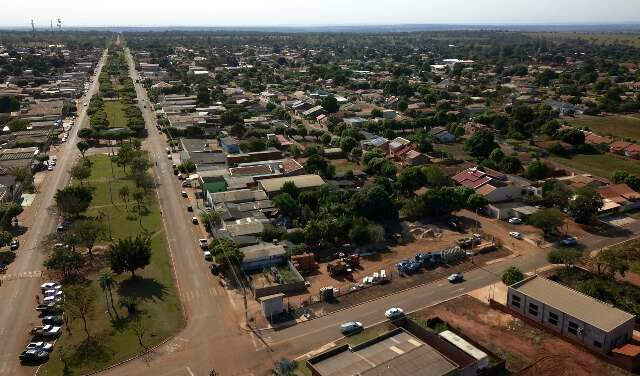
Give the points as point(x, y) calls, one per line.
point(33, 26)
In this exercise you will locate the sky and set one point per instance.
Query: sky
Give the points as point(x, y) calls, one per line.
point(315, 12)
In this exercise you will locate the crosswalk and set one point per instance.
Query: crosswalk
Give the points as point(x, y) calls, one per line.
point(23, 275)
point(190, 296)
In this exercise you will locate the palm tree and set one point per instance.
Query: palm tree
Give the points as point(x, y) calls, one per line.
point(130, 303)
point(107, 281)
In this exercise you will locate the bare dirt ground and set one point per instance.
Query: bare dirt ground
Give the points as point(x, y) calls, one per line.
point(527, 350)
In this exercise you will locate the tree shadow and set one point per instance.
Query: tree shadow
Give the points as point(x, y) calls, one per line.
point(90, 351)
point(142, 288)
point(7, 257)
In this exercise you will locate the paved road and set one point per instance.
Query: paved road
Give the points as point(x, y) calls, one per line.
point(214, 336)
point(22, 283)
point(313, 334)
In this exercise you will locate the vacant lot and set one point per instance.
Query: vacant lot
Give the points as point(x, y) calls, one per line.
point(115, 114)
point(603, 165)
point(617, 126)
point(343, 165)
point(455, 150)
point(159, 307)
point(527, 350)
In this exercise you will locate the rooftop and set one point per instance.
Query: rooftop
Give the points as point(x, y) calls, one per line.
point(397, 354)
point(573, 303)
point(301, 181)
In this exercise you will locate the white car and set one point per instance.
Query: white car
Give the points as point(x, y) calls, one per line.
point(204, 243)
point(455, 278)
point(53, 293)
point(515, 221)
point(50, 331)
point(52, 299)
point(51, 285)
point(351, 327)
point(42, 346)
point(49, 168)
point(515, 234)
point(394, 313)
point(208, 256)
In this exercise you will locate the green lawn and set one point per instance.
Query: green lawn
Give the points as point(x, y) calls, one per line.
point(603, 165)
point(115, 114)
point(159, 303)
point(455, 150)
point(618, 126)
point(344, 165)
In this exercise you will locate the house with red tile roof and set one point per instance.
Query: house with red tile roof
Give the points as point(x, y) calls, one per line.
point(591, 138)
point(493, 185)
point(620, 198)
point(619, 146)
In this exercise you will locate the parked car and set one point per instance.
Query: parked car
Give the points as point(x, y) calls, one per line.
point(50, 286)
point(394, 313)
point(569, 241)
point(3, 268)
point(515, 234)
point(515, 221)
point(351, 327)
point(49, 307)
point(194, 220)
point(33, 356)
point(189, 208)
point(208, 256)
point(455, 278)
point(184, 194)
point(52, 299)
point(44, 346)
point(53, 320)
point(15, 244)
point(49, 168)
point(454, 223)
point(204, 243)
point(215, 269)
point(186, 184)
point(51, 331)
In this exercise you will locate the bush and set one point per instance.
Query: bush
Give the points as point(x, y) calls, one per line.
point(512, 275)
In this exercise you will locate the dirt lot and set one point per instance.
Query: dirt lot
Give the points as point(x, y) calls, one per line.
point(527, 350)
point(387, 260)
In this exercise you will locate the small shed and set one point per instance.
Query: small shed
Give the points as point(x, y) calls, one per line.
point(272, 305)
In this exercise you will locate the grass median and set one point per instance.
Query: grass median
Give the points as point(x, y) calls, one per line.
point(159, 311)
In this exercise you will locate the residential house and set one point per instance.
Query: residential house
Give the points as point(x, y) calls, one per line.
point(262, 256)
point(619, 198)
point(304, 182)
point(230, 145)
point(493, 185)
point(415, 158)
point(398, 146)
point(442, 135)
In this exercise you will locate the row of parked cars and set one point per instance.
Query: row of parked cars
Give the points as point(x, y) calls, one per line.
point(38, 350)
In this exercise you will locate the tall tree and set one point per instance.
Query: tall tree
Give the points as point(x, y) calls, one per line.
point(79, 304)
point(130, 254)
point(107, 281)
point(73, 200)
point(83, 146)
point(585, 205)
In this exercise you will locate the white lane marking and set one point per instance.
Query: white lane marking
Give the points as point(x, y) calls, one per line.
point(190, 372)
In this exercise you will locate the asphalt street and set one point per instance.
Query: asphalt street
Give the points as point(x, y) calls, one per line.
point(215, 337)
point(22, 282)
